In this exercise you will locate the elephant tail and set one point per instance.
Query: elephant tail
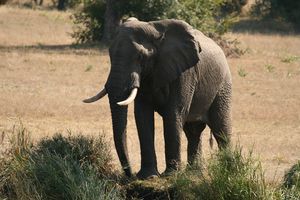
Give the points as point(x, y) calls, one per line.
point(211, 140)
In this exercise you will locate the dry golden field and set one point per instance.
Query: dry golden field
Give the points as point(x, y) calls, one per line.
point(43, 79)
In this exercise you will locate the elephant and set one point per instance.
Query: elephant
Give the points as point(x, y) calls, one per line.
point(167, 67)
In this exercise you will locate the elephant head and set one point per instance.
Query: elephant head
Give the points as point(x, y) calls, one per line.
point(158, 52)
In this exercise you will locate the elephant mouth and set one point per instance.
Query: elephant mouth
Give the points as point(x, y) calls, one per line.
point(124, 96)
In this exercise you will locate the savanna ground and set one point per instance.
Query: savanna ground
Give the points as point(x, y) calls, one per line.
point(44, 78)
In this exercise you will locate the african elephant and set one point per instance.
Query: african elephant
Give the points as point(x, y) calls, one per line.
point(170, 68)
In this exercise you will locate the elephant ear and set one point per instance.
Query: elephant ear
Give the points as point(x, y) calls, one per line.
point(177, 51)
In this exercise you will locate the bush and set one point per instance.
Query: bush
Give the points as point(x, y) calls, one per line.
point(205, 15)
point(288, 9)
point(291, 186)
point(148, 10)
point(89, 22)
point(282, 9)
point(229, 176)
point(72, 167)
point(2, 2)
point(232, 6)
point(51, 176)
point(87, 151)
point(292, 177)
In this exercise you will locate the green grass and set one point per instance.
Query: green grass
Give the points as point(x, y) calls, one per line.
point(88, 68)
point(290, 59)
point(228, 175)
point(269, 67)
point(242, 72)
point(71, 167)
point(79, 167)
point(290, 189)
point(292, 177)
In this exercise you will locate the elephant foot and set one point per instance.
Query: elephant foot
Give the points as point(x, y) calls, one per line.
point(171, 170)
point(144, 174)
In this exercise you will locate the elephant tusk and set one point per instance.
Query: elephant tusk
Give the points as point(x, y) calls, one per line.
point(98, 96)
point(130, 99)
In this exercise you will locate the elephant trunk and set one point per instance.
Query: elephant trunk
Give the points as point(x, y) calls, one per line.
point(119, 122)
point(118, 90)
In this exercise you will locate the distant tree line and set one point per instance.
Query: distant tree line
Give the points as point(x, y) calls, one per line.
point(288, 10)
point(99, 18)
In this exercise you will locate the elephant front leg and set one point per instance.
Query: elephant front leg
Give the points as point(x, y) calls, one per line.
point(144, 117)
point(172, 130)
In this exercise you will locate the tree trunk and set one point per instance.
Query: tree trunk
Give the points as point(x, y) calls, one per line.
point(61, 4)
point(111, 21)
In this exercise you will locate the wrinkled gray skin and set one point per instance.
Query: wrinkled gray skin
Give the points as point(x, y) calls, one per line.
point(180, 74)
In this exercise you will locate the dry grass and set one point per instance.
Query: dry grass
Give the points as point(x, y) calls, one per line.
point(44, 78)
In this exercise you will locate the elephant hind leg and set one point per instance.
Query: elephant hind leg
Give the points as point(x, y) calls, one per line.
point(193, 132)
point(220, 117)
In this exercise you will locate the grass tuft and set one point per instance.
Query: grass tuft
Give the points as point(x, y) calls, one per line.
point(269, 67)
point(242, 72)
point(72, 167)
point(291, 185)
point(88, 68)
point(290, 59)
point(87, 151)
point(229, 175)
point(292, 177)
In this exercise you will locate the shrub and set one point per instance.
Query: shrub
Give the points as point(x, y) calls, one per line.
point(145, 10)
point(72, 167)
point(87, 151)
point(292, 177)
point(229, 176)
point(281, 9)
point(89, 21)
point(2, 2)
point(51, 176)
point(288, 9)
point(232, 6)
point(205, 15)
point(290, 189)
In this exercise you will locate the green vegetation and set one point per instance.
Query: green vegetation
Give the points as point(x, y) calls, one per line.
point(242, 72)
point(290, 59)
point(291, 186)
point(292, 177)
point(208, 16)
point(88, 68)
point(2, 2)
point(89, 21)
point(269, 67)
point(78, 167)
point(233, 6)
point(229, 176)
point(287, 10)
point(72, 167)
